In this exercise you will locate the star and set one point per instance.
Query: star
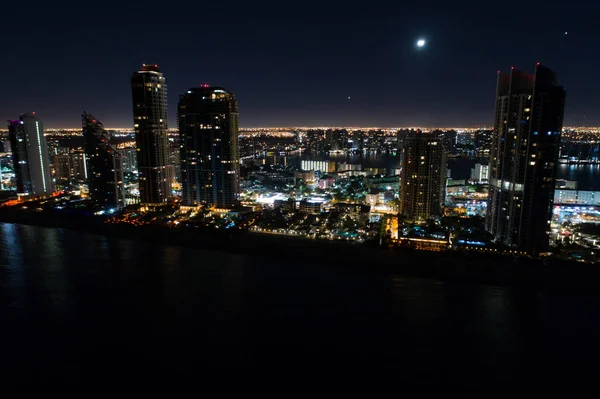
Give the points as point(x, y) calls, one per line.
point(421, 43)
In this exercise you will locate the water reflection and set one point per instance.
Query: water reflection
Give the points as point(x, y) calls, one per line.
point(74, 302)
point(12, 271)
point(587, 176)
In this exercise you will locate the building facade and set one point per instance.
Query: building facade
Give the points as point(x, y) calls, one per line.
point(423, 176)
point(5, 146)
point(480, 172)
point(79, 162)
point(210, 164)
point(318, 166)
point(129, 160)
point(523, 158)
point(149, 93)
point(30, 156)
point(105, 165)
point(63, 169)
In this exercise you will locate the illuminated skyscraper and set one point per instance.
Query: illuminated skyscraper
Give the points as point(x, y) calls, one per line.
point(30, 156)
point(79, 162)
point(63, 169)
point(149, 92)
point(105, 165)
point(210, 164)
point(423, 175)
point(523, 158)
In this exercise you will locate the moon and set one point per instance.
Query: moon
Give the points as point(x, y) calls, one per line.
point(421, 43)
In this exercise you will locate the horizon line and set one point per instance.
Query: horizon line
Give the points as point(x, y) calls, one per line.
point(321, 127)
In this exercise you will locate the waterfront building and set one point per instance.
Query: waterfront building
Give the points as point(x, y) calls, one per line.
point(318, 166)
point(156, 174)
point(105, 165)
point(423, 176)
point(210, 163)
point(523, 158)
point(30, 156)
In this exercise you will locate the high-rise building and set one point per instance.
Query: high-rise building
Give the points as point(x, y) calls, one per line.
point(149, 93)
point(523, 158)
point(210, 164)
point(400, 136)
point(480, 172)
point(129, 160)
point(63, 168)
point(175, 160)
point(423, 175)
point(5, 146)
point(30, 155)
point(105, 165)
point(79, 162)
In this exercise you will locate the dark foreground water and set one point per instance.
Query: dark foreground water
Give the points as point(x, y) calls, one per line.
point(77, 307)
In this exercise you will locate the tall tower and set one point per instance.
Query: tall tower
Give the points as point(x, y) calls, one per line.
point(30, 155)
point(423, 175)
point(210, 164)
point(523, 158)
point(149, 93)
point(105, 165)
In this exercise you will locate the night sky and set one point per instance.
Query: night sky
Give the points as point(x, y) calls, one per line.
point(297, 64)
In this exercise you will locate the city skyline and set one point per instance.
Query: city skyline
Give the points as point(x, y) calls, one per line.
point(294, 70)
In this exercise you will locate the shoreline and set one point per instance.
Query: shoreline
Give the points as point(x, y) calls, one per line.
point(489, 269)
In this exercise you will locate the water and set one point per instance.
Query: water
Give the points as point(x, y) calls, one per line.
point(74, 305)
point(372, 159)
point(587, 176)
